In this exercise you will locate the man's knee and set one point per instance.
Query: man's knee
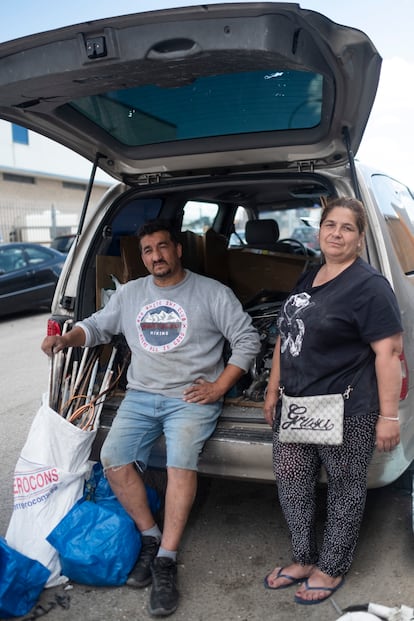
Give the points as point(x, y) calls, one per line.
point(120, 474)
point(106, 455)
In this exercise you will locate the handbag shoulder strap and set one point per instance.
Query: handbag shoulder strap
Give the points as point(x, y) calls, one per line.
point(356, 378)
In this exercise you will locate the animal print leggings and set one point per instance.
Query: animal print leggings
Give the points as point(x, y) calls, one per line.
point(296, 468)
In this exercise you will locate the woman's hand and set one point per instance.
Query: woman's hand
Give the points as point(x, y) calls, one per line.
point(388, 434)
point(269, 408)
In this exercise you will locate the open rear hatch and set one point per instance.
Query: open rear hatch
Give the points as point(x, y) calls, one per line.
point(196, 89)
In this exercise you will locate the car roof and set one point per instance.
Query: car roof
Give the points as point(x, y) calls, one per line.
point(196, 89)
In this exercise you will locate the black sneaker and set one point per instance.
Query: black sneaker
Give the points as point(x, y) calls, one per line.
point(164, 594)
point(140, 576)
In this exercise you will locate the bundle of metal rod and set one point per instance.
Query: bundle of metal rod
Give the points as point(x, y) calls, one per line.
point(76, 390)
point(55, 372)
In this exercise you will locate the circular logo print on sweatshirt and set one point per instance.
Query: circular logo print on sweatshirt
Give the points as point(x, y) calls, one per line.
point(162, 326)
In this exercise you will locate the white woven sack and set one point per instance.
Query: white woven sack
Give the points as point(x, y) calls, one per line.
point(48, 480)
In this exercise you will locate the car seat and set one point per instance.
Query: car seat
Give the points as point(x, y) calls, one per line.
point(264, 235)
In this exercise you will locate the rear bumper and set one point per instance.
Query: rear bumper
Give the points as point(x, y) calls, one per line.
point(232, 452)
point(241, 448)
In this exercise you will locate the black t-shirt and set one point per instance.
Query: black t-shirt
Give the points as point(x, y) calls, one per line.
point(326, 331)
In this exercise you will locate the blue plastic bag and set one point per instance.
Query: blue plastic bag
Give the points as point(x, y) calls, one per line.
point(97, 541)
point(96, 545)
point(21, 581)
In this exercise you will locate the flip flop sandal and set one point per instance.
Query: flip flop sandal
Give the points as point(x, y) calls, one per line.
point(283, 586)
point(310, 602)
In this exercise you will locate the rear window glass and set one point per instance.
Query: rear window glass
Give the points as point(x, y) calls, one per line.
point(218, 105)
point(130, 218)
point(134, 215)
point(301, 224)
point(199, 216)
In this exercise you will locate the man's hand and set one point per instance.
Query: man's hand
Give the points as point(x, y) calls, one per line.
point(202, 392)
point(53, 344)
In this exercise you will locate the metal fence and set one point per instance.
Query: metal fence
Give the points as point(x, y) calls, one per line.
point(25, 222)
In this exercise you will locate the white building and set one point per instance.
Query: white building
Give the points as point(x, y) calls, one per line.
point(42, 186)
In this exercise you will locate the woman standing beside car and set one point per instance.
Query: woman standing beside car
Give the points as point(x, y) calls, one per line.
point(342, 318)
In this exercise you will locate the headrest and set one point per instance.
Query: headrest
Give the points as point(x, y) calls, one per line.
point(261, 233)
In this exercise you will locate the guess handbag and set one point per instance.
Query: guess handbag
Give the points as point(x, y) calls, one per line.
point(314, 420)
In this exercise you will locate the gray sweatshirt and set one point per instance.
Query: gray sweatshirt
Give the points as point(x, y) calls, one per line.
point(176, 334)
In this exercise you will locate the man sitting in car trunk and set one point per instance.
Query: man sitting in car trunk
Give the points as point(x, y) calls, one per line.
point(175, 323)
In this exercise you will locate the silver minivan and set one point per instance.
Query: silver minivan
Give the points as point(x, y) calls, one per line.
point(234, 122)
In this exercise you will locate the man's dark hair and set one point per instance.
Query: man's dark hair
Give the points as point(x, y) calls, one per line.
point(154, 226)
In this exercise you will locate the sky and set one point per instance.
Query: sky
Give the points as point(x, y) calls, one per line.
point(389, 136)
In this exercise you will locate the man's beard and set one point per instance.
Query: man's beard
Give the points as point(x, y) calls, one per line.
point(166, 272)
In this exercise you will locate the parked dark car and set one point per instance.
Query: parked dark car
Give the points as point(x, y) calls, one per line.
point(28, 276)
point(63, 243)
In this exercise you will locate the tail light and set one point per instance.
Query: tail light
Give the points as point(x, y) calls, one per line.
point(53, 328)
point(405, 378)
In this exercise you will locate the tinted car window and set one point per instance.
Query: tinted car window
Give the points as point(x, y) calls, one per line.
point(129, 218)
point(217, 105)
point(63, 242)
point(11, 259)
point(36, 255)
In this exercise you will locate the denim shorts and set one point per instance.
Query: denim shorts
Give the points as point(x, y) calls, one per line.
point(143, 417)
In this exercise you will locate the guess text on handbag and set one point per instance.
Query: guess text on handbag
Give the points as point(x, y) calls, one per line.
point(312, 420)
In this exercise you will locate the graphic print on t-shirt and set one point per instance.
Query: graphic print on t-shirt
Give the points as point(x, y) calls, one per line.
point(162, 326)
point(291, 327)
